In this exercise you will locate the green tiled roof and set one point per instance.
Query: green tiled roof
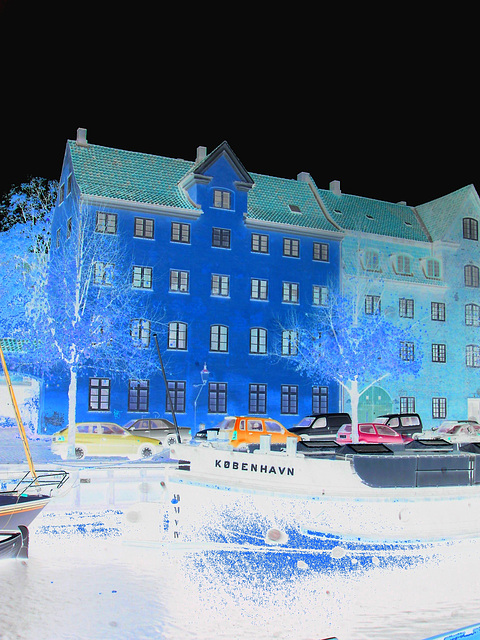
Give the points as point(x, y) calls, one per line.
point(276, 200)
point(129, 175)
point(439, 214)
point(355, 213)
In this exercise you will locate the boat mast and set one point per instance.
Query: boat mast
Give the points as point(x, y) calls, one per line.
point(17, 415)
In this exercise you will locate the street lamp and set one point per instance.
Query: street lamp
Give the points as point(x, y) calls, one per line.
point(204, 373)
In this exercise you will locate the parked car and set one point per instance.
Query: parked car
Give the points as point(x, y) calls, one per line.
point(371, 433)
point(453, 431)
point(320, 426)
point(105, 439)
point(242, 431)
point(404, 423)
point(160, 428)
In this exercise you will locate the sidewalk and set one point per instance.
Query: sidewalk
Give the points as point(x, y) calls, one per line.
point(13, 452)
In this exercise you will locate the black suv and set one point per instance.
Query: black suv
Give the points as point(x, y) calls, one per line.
point(320, 426)
point(404, 423)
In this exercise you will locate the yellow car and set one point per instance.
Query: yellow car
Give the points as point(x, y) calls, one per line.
point(241, 431)
point(105, 439)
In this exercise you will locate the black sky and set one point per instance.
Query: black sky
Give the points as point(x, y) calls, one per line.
point(384, 103)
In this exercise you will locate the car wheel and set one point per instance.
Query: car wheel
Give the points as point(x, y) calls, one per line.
point(146, 451)
point(79, 453)
point(171, 440)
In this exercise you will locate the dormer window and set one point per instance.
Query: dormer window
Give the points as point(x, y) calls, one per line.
point(432, 268)
point(402, 265)
point(294, 208)
point(371, 260)
point(221, 199)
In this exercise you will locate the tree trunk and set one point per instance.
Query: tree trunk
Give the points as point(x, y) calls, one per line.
point(72, 403)
point(354, 398)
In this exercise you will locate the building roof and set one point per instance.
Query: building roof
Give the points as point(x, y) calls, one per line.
point(438, 215)
point(130, 175)
point(285, 201)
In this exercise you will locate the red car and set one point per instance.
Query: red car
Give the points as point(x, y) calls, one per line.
point(371, 433)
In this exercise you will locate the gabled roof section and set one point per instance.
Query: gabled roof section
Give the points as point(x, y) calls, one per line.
point(129, 175)
point(286, 201)
point(365, 215)
point(439, 215)
point(224, 150)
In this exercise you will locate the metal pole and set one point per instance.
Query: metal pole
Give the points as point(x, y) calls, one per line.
point(168, 390)
point(17, 415)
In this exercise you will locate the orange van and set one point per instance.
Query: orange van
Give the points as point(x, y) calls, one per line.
point(241, 431)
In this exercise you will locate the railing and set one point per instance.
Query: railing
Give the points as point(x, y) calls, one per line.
point(40, 480)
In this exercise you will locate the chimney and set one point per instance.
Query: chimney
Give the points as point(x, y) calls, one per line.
point(335, 187)
point(201, 154)
point(82, 137)
point(303, 177)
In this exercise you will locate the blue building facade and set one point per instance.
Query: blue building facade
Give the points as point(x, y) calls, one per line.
point(226, 259)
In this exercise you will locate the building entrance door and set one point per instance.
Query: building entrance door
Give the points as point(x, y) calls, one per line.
point(374, 402)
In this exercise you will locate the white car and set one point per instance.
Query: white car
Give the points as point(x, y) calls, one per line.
point(453, 431)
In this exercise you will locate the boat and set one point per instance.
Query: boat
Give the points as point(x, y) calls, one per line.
point(468, 633)
point(20, 504)
point(14, 545)
point(324, 495)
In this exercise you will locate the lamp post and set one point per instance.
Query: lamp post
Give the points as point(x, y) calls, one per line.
point(204, 373)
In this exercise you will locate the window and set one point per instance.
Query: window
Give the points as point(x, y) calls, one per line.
point(69, 184)
point(439, 407)
point(319, 399)
point(144, 228)
point(259, 289)
point(217, 397)
point(220, 285)
point(179, 280)
point(61, 193)
point(177, 335)
point(321, 251)
point(470, 229)
point(289, 399)
point(221, 199)
point(471, 276)
point(290, 292)
point(180, 232)
point(402, 265)
point(257, 398)
point(407, 351)
point(291, 247)
point(406, 308)
point(59, 234)
point(473, 355)
point(138, 395)
point(372, 305)
point(99, 394)
point(432, 268)
point(259, 243)
point(221, 238)
point(472, 315)
point(407, 404)
point(177, 392)
point(103, 273)
point(439, 353)
point(371, 261)
point(106, 222)
point(142, 277)
point(140, 332)
point(258, 340)
point(319, 295)
point(69, 228)
point(289, 343)
point(438, 311)
point(219, 338)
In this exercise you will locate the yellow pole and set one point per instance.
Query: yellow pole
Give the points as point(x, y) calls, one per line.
point(17, 415)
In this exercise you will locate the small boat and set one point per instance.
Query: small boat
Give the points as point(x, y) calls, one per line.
point(31, 493)
point(14, 545)
point(465, 633)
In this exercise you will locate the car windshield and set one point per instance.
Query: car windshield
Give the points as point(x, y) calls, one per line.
point(227, 424)
point(449, 428)
point(347, 428)
point(381, 420)
point(306, 422)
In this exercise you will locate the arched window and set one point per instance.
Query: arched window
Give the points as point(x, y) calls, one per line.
point(432, 268)
point(470, 228)
point(471, 276)
point(177, 335)
point(219, 338)
point(472, 315)
point(403, 265)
